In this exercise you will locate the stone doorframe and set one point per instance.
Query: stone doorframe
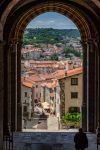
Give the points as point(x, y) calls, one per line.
point(13, 32)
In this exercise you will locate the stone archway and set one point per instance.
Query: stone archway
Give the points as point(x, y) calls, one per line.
point(90, 40)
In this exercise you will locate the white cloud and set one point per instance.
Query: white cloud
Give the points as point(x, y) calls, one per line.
point(39, 21)
point(52, 21)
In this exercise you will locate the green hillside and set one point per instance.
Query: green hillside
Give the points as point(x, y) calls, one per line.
point(48, 35)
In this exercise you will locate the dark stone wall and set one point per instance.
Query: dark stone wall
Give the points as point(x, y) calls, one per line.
point(1, 95)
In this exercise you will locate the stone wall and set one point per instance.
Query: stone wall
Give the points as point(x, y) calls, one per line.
point(1, 96)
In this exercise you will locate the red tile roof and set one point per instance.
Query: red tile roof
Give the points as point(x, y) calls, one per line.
point(74, 71)
point(59, 74)
point(27, 84)
point(51, 84)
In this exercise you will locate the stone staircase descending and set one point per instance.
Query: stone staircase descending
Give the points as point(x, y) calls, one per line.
point(52, 123)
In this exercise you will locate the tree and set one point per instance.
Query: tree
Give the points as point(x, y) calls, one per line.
point(67, 51)
point(54, 57)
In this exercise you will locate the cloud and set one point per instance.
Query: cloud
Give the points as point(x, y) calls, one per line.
point(39, 21)
point(52, 21)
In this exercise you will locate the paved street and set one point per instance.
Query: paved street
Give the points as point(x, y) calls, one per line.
point(49, 140)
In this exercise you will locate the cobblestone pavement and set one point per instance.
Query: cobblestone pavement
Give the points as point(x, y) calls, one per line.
point(62, 140)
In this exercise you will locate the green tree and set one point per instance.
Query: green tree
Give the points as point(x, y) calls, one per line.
point(72, 117)
point(67, 51)
point(54, 57)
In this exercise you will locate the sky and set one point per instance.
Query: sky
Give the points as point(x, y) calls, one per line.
point(52, 20)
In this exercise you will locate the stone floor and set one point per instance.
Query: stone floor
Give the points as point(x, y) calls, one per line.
point(61, 140)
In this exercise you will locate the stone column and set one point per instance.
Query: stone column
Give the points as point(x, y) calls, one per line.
point(16, 105)
point(98, 93)
point(19, 103)
point(91, 88)
point(84, 102)
point(13, 52)
point(6, 104)
point(97, 87)
point(1, 93)
point(88, 105)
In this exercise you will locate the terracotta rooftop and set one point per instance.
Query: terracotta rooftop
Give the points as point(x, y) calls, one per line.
point(48, 78)
point(36, 78)
point(27, 84)
point(74, 71)
point(51, 84)
point(25, 50)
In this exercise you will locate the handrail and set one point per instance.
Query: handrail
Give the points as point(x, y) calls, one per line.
point(8, 141)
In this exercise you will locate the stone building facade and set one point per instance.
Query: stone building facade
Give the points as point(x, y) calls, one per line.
point(26, 97)
point(73, 90)
point(50, 93)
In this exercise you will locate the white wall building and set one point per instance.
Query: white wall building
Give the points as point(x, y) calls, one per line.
point(26, 97)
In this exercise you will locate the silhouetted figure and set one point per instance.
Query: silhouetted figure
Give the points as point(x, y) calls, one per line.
point(80, 139)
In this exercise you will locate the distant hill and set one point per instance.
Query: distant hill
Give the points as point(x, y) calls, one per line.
point(48, 35)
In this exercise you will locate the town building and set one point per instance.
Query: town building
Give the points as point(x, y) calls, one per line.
point(27, 100)
point(30, 52)
point(71, 94)
point(44, 67)
point(50, 93)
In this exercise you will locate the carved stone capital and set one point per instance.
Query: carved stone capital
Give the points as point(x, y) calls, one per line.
point(13, 41)
point(92, 43)
point(13, 45)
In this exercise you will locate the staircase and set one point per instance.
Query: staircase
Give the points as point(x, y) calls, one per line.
point(48, 141)
point(52, 123)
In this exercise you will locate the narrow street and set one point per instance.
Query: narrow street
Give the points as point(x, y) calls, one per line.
point(42, 123)
point(49, 122)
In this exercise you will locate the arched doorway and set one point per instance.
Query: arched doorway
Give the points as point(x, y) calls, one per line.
point(14, 27)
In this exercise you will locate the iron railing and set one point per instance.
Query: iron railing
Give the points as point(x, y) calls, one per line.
point(8, 142)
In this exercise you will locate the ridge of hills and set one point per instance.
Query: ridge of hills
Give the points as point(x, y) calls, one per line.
point(48, 35)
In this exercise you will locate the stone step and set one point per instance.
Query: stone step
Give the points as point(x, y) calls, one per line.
point(48, 141)
point(52, 123)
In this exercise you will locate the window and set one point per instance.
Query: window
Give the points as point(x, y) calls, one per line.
point(74, 94)
point(74, 109)
point(74, 81)
point(25, 94)
point(51, 90)
point(36, 86)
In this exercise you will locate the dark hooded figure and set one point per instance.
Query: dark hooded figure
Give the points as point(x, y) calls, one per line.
point(80, 139)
